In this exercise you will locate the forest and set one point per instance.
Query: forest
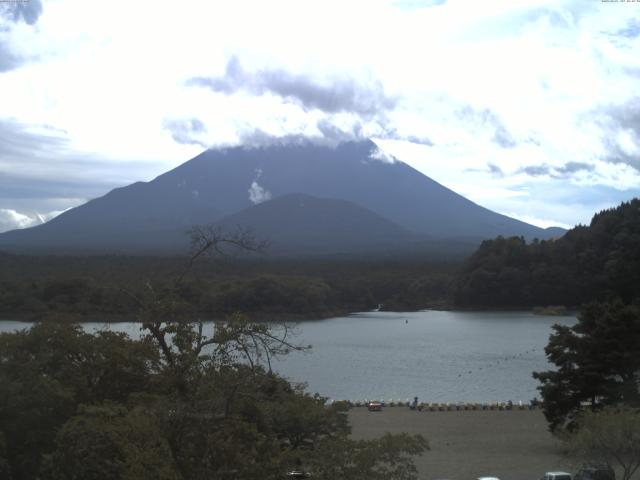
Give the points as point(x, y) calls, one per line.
point(595, 262)
point(184, 401)
point(82, 287)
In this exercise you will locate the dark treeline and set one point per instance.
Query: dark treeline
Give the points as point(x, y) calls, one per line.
point(77, 288)
point(594, 262)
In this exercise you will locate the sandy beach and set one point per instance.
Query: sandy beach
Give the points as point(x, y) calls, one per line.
point(512, 445)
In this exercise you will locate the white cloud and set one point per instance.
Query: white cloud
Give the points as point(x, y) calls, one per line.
point(11, 219)
point(382, 156)
point(539, 222)
point(257, 194)
point(507, 84)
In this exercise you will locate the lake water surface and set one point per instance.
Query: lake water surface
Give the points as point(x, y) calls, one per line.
point(439, 356)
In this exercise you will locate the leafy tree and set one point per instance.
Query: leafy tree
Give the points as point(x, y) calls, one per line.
point(611, 435)
point(183, 402)
point(109, 441)
point(45, 372)
point(595, 262)
point(381, 459)
point(597, 360)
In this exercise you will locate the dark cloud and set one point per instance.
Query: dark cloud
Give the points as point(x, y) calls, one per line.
point(491, 168)
point(490, 119)
point(333, 133)
point(502, 137)
point(27, 11)
point(344, 95)
point(420, 140)
point(8, 61)
point(574, 167)
point(257, 138)
point(536, 170)
point(495, 170)
point(389, 132)
point(14, 11)
point(632, 30)
point(16, 140)
point(615, 120)
point(38, 172)
point(184, 131)
point(563, 172)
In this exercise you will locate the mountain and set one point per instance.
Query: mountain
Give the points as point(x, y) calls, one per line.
point(219, 183)
point(302, 223)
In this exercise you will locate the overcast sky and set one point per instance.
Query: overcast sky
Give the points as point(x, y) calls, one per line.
point(530, 108)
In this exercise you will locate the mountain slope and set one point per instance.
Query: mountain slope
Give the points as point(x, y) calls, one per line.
point(595, 262)
point(302, 223)
point(219, 183)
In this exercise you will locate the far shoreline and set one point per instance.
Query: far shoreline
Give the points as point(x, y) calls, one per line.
point(278, 317)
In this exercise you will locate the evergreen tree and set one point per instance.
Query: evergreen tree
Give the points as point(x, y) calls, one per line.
point(597, 360)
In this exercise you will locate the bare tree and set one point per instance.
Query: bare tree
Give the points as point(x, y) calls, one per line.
point(611, 435)
point(187, 349)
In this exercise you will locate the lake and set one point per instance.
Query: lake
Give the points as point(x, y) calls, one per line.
point(439, 356)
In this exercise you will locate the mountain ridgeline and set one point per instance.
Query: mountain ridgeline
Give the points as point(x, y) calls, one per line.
point(595, 262)
point(303, 198)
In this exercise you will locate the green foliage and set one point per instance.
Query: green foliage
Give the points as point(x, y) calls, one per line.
point(109, 441)
point(587, 263)
point(81, 406)
point(611, 435)
point(81, 288)
point(180, 403)
point(597, 360)
point(381, 459)
point(48, 371)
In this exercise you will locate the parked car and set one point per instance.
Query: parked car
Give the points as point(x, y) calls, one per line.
point(556, 476)
point(296, 474)
point(595, 471)
point(374, 406)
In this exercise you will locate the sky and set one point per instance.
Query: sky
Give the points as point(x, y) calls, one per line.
point(530, 108)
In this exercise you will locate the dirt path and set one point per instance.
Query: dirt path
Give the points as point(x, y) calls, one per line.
point(512, 445)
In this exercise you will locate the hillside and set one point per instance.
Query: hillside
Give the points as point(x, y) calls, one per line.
point(592, 262)
point(302, 223)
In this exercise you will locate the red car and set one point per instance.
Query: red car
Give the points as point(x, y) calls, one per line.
point(374, 406)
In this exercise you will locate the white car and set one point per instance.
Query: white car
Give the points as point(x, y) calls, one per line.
point(488, 478)
point(556, 476)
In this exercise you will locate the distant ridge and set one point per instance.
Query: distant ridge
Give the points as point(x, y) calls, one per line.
point(302, 223)
point(152, 216)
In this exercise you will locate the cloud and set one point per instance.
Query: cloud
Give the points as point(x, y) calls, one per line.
point(538, 222)
point(486, 118)
point(621, 132)
point(565, 171)
point(185, 131)
point(15, 11)
point(39, 172)
point(381, 155)
point(573, 167)
point(632, 30)
point(257, 194)
point(335, 134)
point(417, 4)
point(418, 140)
point(495, 170)
point(11, 219)
point(27, 11)
point(8, 61)
point(336, 96)
point(536, 170)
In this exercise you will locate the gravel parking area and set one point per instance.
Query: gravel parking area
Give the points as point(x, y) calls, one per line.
point(512, 445)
